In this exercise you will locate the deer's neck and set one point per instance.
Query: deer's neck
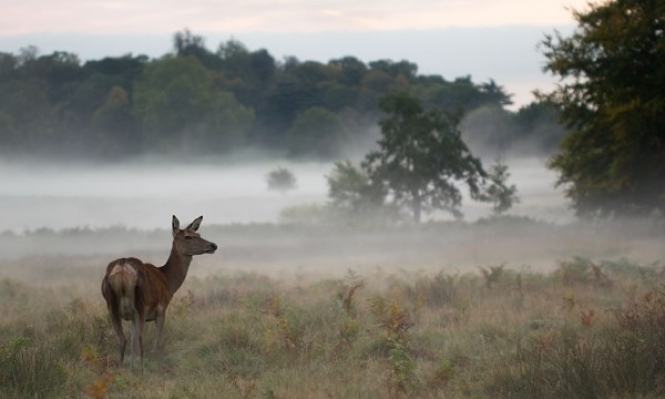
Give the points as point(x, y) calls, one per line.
point(176, 268)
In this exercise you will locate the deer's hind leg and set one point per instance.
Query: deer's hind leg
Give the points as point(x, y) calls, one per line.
point(138, 324)
point(116, 321)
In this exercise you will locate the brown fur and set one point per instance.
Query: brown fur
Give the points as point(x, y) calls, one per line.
point(141, 292)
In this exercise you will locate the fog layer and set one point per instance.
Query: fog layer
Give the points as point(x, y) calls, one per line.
point(144, 195)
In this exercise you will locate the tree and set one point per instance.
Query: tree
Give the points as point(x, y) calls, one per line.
point(316, 132)
point(351, 70)
point(281, 179)
point(422, 157)
point(116, 131)
point(353, 195)
point(612, 97)
point(498, 192)
point(349, 187)
point(177, 103)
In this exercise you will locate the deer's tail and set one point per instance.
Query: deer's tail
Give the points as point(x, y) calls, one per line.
point(121, 288)
point(123, 278)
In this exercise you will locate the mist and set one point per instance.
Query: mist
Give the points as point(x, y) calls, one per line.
point(65, 221)
point(73, 217)
point(143, 194)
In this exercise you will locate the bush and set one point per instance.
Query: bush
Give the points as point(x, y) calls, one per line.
point(281, 179)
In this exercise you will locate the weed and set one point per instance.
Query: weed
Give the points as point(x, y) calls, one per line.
point(97, 390)
point(402, 373)
point(581, 271)
point(394, 321)
point(184, 304)
point(441, 376)
point(587, 317)
point(569, 301)
point(574, 272)
point(348, 287)
point(274, 306)
point(246, 389)
point(30, 370)
point(434, 292)
point(347, 333)
point(491, 275)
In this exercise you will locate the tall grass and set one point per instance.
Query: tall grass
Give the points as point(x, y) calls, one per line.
point(29, 370)
point(588, 329)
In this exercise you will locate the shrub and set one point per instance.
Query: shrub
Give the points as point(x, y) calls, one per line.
point(281, 179)
point(582, 271)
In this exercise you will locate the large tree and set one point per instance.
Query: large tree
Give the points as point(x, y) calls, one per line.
point(612, 96)
point(422, 158)
point(179, 106)
point(316, 132)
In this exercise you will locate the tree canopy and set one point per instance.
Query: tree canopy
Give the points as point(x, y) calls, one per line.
point(281, 179)
point(422, 158)
point(612, 98)
point(210, 101)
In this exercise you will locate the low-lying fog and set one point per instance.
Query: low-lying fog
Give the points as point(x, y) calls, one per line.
point(145, 194)
point(128, 208)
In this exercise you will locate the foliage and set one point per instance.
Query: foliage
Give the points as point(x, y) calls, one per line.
point(359, 335)
point(498, 192)
point(580, 270)
point(621, 358)
point(421, 156)
point(611, 99)
point(211, 101)
point(352, 194)
point(179, 105)
point(28, 370)
point(281, 179)
point(317, 133)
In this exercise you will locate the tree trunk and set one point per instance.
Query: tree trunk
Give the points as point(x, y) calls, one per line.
point(417, 207)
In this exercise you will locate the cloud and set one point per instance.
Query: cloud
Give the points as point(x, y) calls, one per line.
point(166, 16)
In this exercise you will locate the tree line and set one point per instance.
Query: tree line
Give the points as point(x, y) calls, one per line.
point(197, 100)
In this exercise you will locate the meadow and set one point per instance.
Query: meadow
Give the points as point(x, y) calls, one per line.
point(511, 308)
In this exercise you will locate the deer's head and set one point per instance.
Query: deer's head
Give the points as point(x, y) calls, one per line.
point(188, 242)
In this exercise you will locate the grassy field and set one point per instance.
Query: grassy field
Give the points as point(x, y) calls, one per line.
point(437, 311)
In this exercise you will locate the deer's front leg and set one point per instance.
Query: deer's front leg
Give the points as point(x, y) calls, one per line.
point(159, 342)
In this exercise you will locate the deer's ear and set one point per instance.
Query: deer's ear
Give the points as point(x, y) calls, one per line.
point(195, 224)
point(176, 225)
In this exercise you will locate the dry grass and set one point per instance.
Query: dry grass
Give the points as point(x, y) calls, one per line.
point(580, 328)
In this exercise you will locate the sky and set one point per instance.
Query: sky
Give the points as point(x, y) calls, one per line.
point(483, 38)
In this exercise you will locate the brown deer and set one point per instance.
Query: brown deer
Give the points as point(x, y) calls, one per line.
point(141, 292)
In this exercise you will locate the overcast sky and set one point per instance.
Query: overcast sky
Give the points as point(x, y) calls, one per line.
point(482, 38)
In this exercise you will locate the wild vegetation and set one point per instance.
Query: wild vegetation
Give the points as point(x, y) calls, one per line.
point(197, 100)
point(352, 306)
point(289, 326)
point(611, 97)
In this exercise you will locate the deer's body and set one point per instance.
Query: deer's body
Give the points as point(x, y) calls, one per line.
point(140, 292)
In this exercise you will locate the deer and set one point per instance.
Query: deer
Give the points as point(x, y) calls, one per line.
point(140, 292)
